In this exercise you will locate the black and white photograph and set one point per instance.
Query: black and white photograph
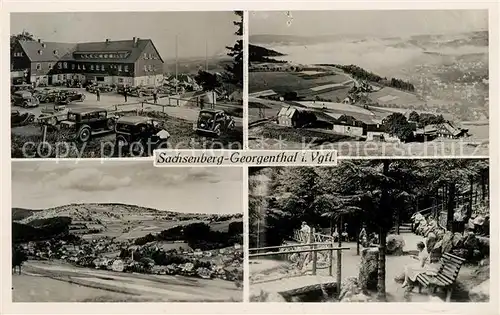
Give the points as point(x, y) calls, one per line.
point(376, 230)
point(126, 232)
point(370, 82)
point(121, 84)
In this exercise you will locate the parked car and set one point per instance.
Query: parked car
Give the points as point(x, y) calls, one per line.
point(103, 88)
point(24, 99)
point(54, 115)
point(137, 134)
point(46, 95)
point(17, 119)
point(213, 122)
point(83, 123)
point(66, 97)
point(21, 87)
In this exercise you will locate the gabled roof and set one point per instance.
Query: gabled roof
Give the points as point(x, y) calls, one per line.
point(32, 49)
point(67, 51)
point(287, 111)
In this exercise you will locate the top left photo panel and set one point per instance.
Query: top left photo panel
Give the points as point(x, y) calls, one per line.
point(122, 84)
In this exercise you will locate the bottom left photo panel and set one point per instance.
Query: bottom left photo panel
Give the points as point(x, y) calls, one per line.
point(125, 231)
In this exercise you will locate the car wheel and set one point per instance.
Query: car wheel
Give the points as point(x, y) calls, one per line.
point(111, 124)
point(31, 119)
point(82, 98)
point(137, 149)
point(52, 121)
point(84, 134)
point(217, 131)
point(25, 104)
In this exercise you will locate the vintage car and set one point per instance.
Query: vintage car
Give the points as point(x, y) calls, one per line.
point(21, 87)
point(68, 96)
point(83, 123)
point(103, 88)
point(46, 95)
point(213, 122)
point(24, 99)
point(52, 116)
point(17, 119)
point(139, 135)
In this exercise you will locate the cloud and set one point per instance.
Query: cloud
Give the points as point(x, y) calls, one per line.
point(90, 179)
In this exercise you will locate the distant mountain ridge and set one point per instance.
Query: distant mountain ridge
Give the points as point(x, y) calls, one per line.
point(473, 37)
point(82, 212)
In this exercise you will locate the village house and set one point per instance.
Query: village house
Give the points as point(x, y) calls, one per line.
point(444, 130)
point(291, 116)
point(132, 62)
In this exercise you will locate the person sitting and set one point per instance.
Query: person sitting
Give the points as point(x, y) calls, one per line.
point(413, 270)
point(363, 237)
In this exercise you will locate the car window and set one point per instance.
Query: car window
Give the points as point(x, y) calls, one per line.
point(101, 114)
point(156, 124)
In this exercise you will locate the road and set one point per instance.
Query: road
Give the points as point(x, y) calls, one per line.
point(151, 287)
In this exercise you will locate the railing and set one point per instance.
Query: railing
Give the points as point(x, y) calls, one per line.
point(311, 249)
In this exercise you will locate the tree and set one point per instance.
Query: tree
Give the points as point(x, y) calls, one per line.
point(397, 125)
point(414, 116)
point(234, 72)
point(209, 81)
point(14, 39)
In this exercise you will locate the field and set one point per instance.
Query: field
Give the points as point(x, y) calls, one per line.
point(388, 95)
point(282, 82)
point(59, 282)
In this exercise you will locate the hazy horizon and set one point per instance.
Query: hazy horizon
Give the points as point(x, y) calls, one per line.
point(47, 184)
point(380, 23)
point(198, 32)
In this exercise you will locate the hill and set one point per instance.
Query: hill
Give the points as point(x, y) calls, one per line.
point(262, 54)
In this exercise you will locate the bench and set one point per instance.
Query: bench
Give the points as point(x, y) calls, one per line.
point(444, 278)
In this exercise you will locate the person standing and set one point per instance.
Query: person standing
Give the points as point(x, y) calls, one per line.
point(125, 92)
point(155, 96)
point(98, 94)
point(305, 230)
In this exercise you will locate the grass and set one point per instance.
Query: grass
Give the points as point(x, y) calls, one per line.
point(282, 82)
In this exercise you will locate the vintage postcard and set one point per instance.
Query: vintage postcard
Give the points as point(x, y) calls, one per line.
point(395, 83)
point(126, 232)
point(82, 87)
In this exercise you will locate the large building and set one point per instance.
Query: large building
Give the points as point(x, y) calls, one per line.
point(132, 62)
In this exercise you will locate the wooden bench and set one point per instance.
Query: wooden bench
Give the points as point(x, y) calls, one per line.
point(444, 278)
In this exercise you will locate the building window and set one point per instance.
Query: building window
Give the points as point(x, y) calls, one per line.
point(55, 52)
point(100, 56)
point(59, 65)
point(146, 68)
point(78, 67)
point(150, 67)
point(72, 66)
point(65, 65)
point(92, 67)
point(126, 68)
point(50, 66)
point(38, 66)
point(120, 68)
point(102, 67)
point(83, 67)
point(59, 77)
point(150, 56)
point(40, 52)
point(145, 56)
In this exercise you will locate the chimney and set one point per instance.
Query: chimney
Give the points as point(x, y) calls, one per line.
point(133, 40)
point(107, 41)
point(39, 40)
point(136, 42)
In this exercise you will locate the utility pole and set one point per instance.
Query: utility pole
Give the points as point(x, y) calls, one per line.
point(176, 62)
point(206, 55)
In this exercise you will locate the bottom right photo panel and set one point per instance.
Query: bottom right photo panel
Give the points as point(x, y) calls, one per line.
point(381, 230)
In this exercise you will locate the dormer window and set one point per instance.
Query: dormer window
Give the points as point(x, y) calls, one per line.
point(100, 56)
point(44, 45)
point(40, 52)
point(145, 56)
point(65, 65)
point(55, 52)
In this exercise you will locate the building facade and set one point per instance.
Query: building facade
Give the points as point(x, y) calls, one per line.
point(134, 62)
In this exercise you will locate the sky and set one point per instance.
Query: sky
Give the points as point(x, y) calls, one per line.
point(382, 23)
point(193, 29)
point(46, 184)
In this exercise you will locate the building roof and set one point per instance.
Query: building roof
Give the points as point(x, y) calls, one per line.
point(32, 50)
point(70, 52)
point(287, 111)
point(434, 128)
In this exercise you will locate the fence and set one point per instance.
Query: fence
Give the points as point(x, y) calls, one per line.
point(311, 249)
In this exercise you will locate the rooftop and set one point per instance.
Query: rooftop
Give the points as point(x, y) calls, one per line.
point(132, 120)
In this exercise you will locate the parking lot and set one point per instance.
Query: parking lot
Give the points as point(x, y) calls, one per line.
point(178, 121)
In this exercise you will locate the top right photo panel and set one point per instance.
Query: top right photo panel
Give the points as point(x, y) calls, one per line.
point(370, 83)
